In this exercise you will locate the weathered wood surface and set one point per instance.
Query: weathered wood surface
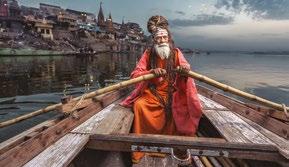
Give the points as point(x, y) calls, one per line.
point(22, 137)
point(113, 118)
point(236, 128)
point(118, 121)
point(74, 105)
point(281, 143)
point(94, 121)
point(19, 155)
point(207, 145)
point(60, 153)
point(197, 161)
point(275, 126)
point(64, 150)
point(269, 111)
point(208, 104)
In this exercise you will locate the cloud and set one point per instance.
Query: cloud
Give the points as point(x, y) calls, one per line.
point(181, 13)
point(202, 20)
point(266, 9)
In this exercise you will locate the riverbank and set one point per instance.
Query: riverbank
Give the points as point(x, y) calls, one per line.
point(8, 52)
point(29, 44)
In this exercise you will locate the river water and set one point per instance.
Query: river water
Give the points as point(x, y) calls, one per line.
point(29, 83)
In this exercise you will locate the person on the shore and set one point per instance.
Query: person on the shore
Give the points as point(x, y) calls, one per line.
point(169, 104)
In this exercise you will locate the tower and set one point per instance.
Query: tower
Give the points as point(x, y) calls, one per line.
point(14, 9)
point(100, 17)
point(122, 27)
point(109, 24)
point(4, 8)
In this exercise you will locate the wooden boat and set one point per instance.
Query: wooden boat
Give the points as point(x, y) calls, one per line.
point(231, 133)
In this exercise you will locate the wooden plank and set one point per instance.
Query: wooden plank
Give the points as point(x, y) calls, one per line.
point(119, 120)
point(228, 149)
point(226, 130)
point(197, 161)
point(206, 162)
point(237, 124)
point(237, 127)
point(262, 119)
point(93, 122)
point(22, 137)
point(66, 149)
point(214, 162)
point(74, 105)
point(281, 143)
point(244, 129)
point(21, 154)
point(269, 111)
point(60, 153)
point(210, 104)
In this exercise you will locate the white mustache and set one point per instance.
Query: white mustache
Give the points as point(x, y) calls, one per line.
point(163, 50)
point(163, 44)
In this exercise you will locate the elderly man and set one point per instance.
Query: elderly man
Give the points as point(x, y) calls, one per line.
point(168, 104)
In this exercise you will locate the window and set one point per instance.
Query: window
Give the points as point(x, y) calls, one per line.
point(47, 31)
point(42, 31)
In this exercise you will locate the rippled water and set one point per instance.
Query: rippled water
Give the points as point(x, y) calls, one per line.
point(263, 75)
point(29, 83)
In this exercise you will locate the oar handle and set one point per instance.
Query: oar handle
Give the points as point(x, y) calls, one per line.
point(98, 92)
point(232, 90)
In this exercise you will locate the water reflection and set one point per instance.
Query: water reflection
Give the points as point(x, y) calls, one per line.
point(31, 83)
point(30, 75)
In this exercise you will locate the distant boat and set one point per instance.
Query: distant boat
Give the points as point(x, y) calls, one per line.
point(9, 100)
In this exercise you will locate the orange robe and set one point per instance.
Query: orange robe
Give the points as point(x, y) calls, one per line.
point(150, 116)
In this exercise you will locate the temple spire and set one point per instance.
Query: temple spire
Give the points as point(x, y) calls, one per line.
point(110, 16)
point(100, 17)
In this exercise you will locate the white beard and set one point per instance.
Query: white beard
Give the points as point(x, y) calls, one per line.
point(163, 50)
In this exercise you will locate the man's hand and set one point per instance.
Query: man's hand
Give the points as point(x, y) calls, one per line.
point(158, 71)
point(184, 69)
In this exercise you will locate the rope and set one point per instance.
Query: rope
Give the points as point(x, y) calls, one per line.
point(64, 91)
point(285, 110)
point(86, 89)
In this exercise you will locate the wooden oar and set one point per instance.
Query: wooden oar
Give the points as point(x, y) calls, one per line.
point(87, 96)
point(232, 90)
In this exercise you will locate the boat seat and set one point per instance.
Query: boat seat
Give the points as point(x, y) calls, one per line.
point(236, 128)
point(112, 119)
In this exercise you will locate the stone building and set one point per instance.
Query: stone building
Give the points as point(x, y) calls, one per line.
point(14, 9)
point(10, 16)
point(50, 9)
point(4, 11)
point(44, 27)
point(83, 17)
point(66, 22)
point(31, 11)
point(109, 25)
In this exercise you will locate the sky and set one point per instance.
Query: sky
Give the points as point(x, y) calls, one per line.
point(236, 25)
